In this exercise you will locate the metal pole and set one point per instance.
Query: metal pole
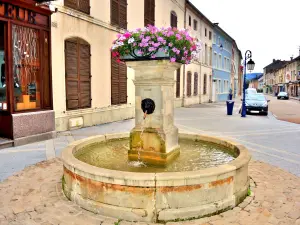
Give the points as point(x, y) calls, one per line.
point(244, 110)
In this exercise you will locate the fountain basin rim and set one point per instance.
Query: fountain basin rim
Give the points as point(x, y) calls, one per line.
point(151, 179)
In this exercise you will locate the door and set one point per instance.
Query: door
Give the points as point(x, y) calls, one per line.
point(214, 83)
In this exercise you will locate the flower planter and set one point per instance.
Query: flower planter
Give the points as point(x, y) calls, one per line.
point(135, 56)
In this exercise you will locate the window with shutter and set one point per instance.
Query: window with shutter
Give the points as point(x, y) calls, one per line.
point(189, 84)
point(118, 82)
point(80, 5)
point(78, 74)
point(118, 13)
point(173, 19)
point(205, 84)
point(178, 83)
point(195, 84)
point(149, 12)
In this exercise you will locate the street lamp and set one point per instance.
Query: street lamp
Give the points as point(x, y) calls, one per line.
point(250, 66)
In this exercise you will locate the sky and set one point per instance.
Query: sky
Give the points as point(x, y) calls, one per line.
point(269, 28)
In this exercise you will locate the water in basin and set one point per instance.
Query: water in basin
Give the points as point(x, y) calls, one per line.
point(194, 155)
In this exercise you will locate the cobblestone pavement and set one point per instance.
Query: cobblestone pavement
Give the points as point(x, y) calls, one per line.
point(268, 139)
point(34, 197)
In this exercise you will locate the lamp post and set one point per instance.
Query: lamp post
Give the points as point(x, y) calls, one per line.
point(250, 66)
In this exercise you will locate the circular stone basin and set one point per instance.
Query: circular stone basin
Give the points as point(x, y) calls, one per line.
point(99, 178)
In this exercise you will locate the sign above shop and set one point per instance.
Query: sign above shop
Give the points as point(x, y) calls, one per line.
point(18, 13)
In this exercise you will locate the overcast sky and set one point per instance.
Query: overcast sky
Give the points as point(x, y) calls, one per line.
point(269, 28)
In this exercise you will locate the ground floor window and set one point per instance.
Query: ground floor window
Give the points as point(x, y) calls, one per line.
point(178, 83)
point(205, 84)
point(3, 84)
point(78, 74)
point(195, 84)
point(189, 84)
point(26, 67)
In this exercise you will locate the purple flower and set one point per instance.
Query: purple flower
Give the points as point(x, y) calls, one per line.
point(160, 39)
point(174, 49)
point(151, 49)
point(178, 36)
point(153, 56)
point(173, 59)
point(156, 45)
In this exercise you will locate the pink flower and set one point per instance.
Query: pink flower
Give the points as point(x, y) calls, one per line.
point(170, 45)
point(127, 35)
point(151, 49)
point(153, 56)
point(160, 39)
point(156, 45)
point(177, 52)
point(174, 49)
point(119, 35)
point(134, 44)
point(140, 52)
point(173, 59)
point(178, 36)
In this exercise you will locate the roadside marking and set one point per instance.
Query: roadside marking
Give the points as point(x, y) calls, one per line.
point(263, 133)
point(275, 156)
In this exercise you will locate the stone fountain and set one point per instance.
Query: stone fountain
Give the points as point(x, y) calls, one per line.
point(96, 178)
point(154, 139)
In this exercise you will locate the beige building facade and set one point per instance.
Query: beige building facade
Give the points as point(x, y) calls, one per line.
point(198, 75)
point(84, 83)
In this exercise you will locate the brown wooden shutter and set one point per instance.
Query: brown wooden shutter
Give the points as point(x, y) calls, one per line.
point(78, 74)
point(80, 5)
point(46, 77)
point(123, 14)
point(71, 3)
point(84, 76)
point(84, 6)
point(173, 19)
point(178, 83)
point(114, 12)
point(149, 12)
point(189, 84)
point(71, 60)
point(204, 84)
point(118, 82)
point(118, 13)
point(195, 83)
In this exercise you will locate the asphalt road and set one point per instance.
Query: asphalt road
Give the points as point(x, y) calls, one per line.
point(286, 110)
point(268, 139)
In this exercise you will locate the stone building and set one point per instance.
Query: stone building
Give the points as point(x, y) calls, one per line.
point(89, 87)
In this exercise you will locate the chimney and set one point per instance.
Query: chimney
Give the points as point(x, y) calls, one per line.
point(292, 58)
point(274, 60)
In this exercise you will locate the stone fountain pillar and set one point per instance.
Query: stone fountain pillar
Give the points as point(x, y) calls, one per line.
point(154, 140)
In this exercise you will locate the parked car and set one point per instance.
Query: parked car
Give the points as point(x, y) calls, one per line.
point(256, 103)
point(283, 95)
point(251, 91)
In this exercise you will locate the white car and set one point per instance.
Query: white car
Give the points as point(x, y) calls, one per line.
point(251, 91)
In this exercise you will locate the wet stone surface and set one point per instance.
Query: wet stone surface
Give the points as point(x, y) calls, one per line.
point(34, 197)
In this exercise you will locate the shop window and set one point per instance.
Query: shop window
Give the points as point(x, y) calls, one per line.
point(80, 5)
point(3, 84)
point(26, 68)
point(149, 12)
point(173, 19)
point(118, 13)
point(78, 74)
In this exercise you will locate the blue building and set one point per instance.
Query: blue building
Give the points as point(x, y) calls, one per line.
point(221, 57)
